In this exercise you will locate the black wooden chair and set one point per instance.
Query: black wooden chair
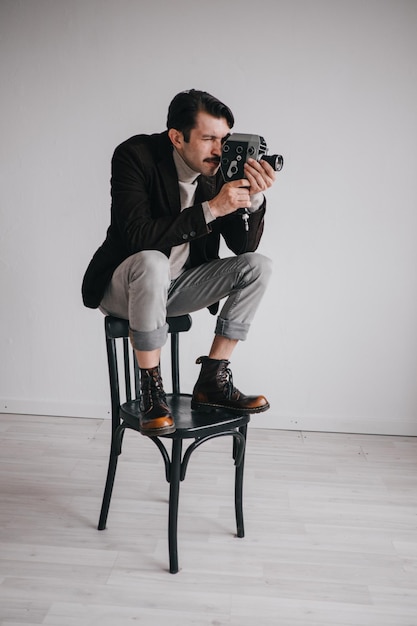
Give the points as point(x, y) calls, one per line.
point(191, 425)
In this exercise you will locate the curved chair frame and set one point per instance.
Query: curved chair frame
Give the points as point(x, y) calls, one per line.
point(197, 425)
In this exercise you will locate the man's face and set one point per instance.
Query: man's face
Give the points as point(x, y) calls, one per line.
point(203, 151)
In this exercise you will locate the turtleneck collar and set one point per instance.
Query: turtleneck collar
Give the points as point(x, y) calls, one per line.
point(184, 171)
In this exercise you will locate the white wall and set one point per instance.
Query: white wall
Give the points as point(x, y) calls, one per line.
point(332, 86)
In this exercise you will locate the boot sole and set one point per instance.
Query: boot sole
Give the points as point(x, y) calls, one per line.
point(156, 432)
point(208, 408)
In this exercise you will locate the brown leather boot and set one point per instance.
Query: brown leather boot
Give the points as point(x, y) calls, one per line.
point(156, 418)
point(214, 390)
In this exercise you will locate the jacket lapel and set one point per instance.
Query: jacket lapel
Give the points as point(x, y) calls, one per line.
point(168, 174)
point(207, 186)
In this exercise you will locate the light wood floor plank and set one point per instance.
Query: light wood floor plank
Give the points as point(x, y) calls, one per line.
point(330, 519)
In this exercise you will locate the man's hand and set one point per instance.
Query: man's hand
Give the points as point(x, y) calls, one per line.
point(260, 175)
point(236, 194)
point(232, 196)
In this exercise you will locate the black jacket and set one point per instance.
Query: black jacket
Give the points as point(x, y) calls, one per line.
point(145, 214)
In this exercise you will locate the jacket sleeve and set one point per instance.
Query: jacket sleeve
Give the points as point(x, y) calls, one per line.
point(237, 238)
point(142, 211)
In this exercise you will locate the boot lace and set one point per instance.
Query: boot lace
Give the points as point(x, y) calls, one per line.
point(225, 379)
point(152, 391)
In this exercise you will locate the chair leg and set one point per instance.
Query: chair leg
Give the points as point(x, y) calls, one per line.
point(174, 491)
point(239, 490)
point(111, 472)
point(115, 450)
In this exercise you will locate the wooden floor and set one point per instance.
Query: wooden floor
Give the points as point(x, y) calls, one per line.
point(331, 531)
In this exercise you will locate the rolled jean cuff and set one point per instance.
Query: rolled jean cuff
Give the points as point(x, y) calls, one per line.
point(149, 340)
point(231, 330)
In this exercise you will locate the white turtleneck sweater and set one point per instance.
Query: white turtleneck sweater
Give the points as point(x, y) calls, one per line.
point(187, 181)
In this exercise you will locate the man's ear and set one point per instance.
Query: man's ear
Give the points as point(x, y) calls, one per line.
point(176, 137)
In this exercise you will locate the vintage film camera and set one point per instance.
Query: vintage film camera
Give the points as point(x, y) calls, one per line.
point(238, 148)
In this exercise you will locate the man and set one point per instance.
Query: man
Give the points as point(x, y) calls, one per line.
point(160, 258)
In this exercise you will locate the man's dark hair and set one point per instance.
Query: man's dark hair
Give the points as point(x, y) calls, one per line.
point(183, 110)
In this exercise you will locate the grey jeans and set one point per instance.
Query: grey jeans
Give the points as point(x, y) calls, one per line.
point(142, 292)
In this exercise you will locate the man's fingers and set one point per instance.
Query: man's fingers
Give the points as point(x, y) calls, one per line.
point(243, 182)
point(260, 174)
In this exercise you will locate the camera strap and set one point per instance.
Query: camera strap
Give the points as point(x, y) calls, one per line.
point(244, 213)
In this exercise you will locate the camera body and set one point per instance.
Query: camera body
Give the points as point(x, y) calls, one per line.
point(238, 148)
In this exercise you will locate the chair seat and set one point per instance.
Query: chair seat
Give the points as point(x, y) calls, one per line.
point(189, 424)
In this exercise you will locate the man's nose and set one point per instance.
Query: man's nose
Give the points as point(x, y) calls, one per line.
point(217, 147)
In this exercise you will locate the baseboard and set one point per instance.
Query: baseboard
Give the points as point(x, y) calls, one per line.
point(56, 409)
point(268, 420)
point(336, 424)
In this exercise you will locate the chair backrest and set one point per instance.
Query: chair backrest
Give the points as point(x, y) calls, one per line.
point(125, 385)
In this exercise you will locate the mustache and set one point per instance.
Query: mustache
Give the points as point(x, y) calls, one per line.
point(212, 160)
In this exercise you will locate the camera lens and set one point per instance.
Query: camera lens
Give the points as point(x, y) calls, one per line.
point(276, 161)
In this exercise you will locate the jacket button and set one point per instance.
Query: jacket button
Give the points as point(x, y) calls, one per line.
point(192, 233)
point(185, 236)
